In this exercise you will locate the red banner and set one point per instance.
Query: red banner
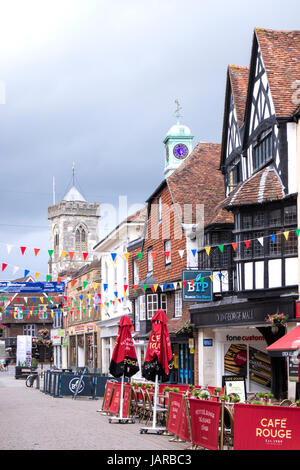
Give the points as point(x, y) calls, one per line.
point(261, 427)
point(126, 400)
point(183, 429)
point(205, 416)
point(107, 396)
point(115, 401)
point(175, 404)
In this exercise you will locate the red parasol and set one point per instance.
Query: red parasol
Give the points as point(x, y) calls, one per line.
point(159, 356)
point(124, 360)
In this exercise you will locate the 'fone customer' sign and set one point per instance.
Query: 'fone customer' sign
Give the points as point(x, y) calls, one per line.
point(197, 286)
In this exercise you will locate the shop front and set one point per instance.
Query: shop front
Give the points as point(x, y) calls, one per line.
point(232, 337)
point(83, 346)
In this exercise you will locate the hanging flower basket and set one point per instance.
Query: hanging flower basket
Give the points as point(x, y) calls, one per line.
point(277, 319)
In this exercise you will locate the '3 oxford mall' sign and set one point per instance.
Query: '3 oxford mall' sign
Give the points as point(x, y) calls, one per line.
point(197, 286)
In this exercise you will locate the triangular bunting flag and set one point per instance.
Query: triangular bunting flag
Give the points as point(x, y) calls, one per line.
point(113, 256)
point(58, 280)
point(105, 286)
point(36, 275)
point(63, 254)
point(153, 254)
point(48, 278)
point(26, 272)
point(221, 248)
point(126, 255)
point(4, 265)
point(273, 238)
point(84, 283)
point(297, 231)
point(234, 245)
point(167, 254)
point(71, 254)
point(181, 253)
point(247, 243)
point(140, 255)
point(95, 285)
point(194, 252)
point(85, 255)
point(36, 250)
point(286, 235)
point(145, 288)
point(261, 240)
point(50, 252)
point(207, 249)
point(23, 249)
point(9, 247)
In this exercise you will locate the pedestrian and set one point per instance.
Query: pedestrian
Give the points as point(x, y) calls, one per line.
point(6, 363)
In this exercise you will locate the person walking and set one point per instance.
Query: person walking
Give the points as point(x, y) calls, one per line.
point(6, 363)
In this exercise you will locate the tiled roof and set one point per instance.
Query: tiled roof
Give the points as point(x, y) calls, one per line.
point(220, 216)
point(263, 186)
point(281, 55)
point(198, 180)
point(238, 77)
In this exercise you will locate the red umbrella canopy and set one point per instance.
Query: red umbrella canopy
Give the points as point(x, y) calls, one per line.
point(124, 359)
point(159, 357)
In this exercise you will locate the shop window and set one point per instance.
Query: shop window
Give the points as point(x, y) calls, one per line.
point(290, 215)
point(178, 304)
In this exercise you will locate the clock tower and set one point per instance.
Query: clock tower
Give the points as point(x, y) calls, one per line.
point(178, 145)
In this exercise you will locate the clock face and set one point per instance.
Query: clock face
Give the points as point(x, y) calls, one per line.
point(180, 151)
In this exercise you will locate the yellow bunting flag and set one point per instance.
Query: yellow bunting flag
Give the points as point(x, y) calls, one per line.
point(95, 285)
point(126, 255)
point(42, 299)
point(207, 249)
point(63, 254)
point(37, 275)
point(211, 278)
point(155, 287)
point(286, 235)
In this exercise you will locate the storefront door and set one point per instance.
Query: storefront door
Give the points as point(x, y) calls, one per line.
point(185, 365)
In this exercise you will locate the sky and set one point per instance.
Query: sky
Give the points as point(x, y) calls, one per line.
point(94, 83)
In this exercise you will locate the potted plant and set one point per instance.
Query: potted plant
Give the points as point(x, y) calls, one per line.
point(224, 397)
point(166, 391)
point(261, 395)
point(195, 392)
point(175, 389)
point(217, 391)
point(270, 396)
point(235, 399)
point(204, 395)
point(255, 402)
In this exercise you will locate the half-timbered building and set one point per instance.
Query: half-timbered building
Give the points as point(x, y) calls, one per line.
point(259, 164)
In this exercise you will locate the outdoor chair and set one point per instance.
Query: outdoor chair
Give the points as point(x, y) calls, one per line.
point(228, 427)
point(286, 402)
point(160, 411)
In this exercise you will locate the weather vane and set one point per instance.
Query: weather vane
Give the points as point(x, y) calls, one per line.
point(177, 111)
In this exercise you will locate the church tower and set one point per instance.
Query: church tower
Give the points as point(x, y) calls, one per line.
point(73, 231)
point(178, 144)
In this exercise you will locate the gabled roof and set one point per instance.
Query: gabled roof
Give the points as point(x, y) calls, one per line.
point(263, 186)
point(238, 77)
point(237, 84)
point(281, 56)
point(198, 180)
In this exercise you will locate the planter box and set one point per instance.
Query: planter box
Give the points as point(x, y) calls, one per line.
point(23, 372)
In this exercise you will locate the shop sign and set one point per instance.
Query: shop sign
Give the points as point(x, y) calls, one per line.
point(79, 328)
point(61, 333)
point(90, 327)
point(31, 287)
point(207, 342)
point(197, 286)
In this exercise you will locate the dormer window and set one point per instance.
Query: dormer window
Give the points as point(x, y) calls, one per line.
point(262, 150)
point(234, 176)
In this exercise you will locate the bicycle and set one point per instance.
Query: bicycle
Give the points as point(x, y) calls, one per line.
point(31, 378)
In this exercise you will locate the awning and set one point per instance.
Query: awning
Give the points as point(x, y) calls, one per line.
point(287, 345)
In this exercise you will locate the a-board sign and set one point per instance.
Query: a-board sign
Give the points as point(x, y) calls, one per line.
point(235, 384)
